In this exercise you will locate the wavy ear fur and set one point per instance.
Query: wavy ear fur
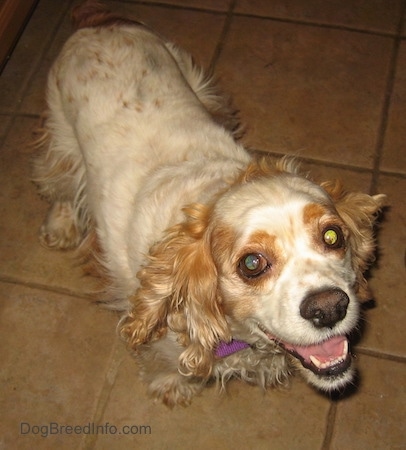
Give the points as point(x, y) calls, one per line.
point(359, 212)
point(179, 291)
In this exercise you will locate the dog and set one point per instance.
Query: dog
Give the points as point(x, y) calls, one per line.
point(223, 265)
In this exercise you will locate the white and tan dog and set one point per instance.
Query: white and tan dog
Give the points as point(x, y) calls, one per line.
point(222, 265)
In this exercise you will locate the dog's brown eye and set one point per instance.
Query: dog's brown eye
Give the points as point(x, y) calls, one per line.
point(253, 265)
point(333, 237)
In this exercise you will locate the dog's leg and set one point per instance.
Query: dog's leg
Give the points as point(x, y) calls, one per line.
point(159, 369)
point(59, 173)
point(60, 228)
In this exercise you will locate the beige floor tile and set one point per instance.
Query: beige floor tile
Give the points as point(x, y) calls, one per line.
point(299, 92)
point(385, 323)
point(24, 60)
point(22, 212)
point(33, 101)
point(4, 125)
point(244, 417)
point(374, 417)
point(394, 153)
point(374, 15)
point(54, 355)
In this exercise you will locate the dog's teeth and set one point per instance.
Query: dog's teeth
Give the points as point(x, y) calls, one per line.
point(332, 362)
point(325, 365)
point(345, 349)
point(315, 361)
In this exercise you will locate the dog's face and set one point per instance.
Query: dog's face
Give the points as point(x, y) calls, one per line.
point(276, 258)
point(288, 272)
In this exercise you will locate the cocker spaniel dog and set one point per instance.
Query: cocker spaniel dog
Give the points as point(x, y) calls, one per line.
point(223, 265)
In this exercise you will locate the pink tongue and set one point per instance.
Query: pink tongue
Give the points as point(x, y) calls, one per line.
point(326, 351)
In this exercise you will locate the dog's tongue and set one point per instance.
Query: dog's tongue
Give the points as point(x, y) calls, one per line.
point(326, 351)
point(328, 358)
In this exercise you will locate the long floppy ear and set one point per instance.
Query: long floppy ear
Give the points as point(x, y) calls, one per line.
point(179, 291)
point(359, 211)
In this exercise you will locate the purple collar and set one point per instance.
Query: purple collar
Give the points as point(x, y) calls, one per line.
point(228, 348)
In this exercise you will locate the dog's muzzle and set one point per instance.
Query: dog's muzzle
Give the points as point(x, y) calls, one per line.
point(329, 358)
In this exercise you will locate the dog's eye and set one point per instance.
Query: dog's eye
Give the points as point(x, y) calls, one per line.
point(253, 265)
point(333, 237)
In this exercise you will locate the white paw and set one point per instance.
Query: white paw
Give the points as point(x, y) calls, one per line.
point(59, 229)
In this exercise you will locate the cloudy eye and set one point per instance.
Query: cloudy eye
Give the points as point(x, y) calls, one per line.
point(253, 264)
point(333, 237)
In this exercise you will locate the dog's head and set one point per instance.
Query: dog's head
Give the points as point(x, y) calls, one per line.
point(278, 258)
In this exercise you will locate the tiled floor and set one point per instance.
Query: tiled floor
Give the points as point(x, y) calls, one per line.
point(323, 79)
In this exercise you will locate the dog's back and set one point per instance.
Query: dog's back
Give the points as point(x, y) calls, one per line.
point(93, 14)
point(124, 104)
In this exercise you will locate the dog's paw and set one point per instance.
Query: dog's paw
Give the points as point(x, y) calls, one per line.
point(174, 389)
point(59, 230)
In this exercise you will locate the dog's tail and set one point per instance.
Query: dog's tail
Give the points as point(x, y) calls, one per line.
point(207, 91)
point(93, 13)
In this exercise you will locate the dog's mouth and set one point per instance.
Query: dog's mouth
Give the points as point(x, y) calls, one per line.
point(328, 358)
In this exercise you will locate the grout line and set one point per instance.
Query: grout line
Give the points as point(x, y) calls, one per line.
point(224, 33)
point(331, 419)
point(47, 288)
point(172, 6)
point(390, 83)
point(34, 68)
point(40, 57)
point(380, 355)
point(90, 440)
point(318, 24)
point(270, 18)
point(21, 31)
point(388, 173)
point(331, 164)
point(309, 160)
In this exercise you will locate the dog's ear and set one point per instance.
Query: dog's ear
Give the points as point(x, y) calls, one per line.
point(179, 291)
point(359, 212)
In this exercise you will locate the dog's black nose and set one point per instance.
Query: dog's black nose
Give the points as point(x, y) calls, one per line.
point(325, 308)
